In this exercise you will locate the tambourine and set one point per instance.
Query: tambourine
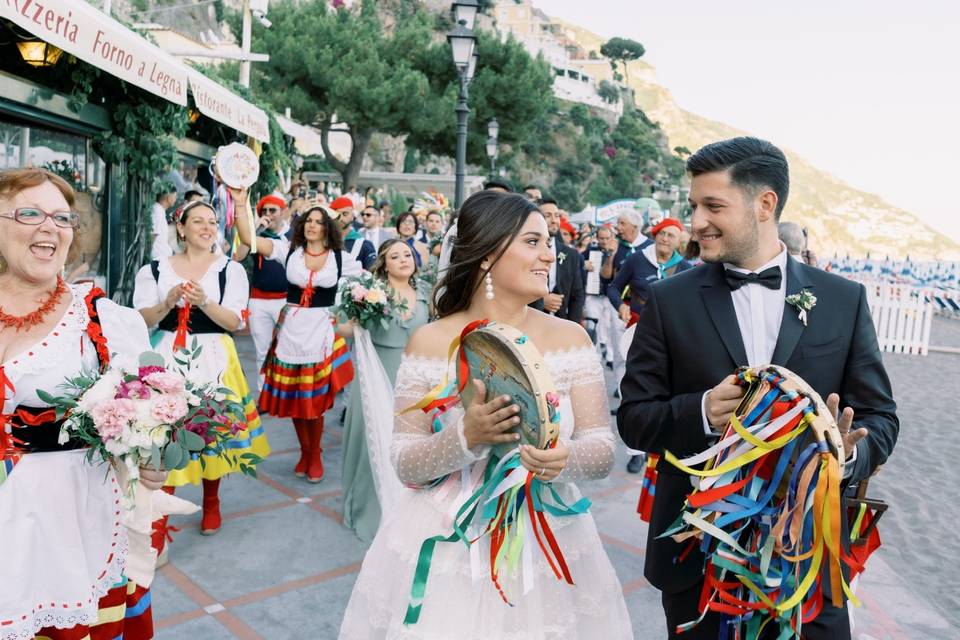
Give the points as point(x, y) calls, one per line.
point(767, 496)
point(236, 165)
point(508, 363)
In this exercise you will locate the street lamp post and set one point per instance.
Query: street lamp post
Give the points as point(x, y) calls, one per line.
point(462, 42)
point(493, 130)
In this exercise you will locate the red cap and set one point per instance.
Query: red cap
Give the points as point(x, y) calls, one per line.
point(271, 199)
point(666, 222)
point(569, 228)
point(343, 202)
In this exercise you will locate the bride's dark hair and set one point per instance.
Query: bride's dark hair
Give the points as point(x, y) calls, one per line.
point(487, 223)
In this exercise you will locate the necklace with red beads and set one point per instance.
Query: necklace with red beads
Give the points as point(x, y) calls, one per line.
point(37, 316)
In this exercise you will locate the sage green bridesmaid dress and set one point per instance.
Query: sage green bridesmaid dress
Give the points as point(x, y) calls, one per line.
point(361, 511)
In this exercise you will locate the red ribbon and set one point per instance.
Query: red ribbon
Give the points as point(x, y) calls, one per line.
point(183, 324)
point(307, 296)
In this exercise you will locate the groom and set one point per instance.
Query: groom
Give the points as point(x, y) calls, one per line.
point(699, 326)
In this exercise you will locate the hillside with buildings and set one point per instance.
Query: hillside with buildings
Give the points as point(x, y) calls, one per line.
point(840, 218)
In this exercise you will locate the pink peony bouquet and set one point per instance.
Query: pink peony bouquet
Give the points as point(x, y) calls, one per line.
point(151, 415)
point(367, 301)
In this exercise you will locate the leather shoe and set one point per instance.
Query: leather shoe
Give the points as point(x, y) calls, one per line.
point(635, 464)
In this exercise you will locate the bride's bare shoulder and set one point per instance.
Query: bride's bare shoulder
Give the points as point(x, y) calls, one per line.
point(433, 340)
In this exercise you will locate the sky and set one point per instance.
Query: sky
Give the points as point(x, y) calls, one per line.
point(867, 90)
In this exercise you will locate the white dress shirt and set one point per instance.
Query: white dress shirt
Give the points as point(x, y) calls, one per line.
point(161, 233)
point(759, 313)
point(552, 278)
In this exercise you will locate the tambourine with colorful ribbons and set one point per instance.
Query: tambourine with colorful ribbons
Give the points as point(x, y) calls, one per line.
point(766, 508)
point(510, 505)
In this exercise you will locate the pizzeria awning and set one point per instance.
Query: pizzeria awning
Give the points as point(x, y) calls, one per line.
point(220, 104)
point(96, 38)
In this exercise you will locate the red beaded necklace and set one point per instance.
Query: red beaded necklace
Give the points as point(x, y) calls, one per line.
point(37, 316)
point(315, 255)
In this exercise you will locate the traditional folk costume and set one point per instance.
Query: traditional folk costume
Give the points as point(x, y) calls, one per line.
point(226, 282)
point(268, 297)
point(71, 567)
point(308, 363)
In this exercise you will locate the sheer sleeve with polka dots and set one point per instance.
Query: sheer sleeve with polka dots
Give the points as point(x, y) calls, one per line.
point(419, 454)
point(592, 443)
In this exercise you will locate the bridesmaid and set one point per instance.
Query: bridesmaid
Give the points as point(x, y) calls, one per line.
point(395, 265)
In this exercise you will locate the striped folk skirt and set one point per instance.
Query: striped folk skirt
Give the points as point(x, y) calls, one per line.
point(306, 366)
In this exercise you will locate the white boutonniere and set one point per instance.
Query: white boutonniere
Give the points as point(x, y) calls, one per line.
point(561, 258)
point(803, 302)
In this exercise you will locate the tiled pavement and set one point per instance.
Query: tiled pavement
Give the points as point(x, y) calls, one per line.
point(283, 566)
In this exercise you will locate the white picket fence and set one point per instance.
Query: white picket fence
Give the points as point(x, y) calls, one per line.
point(902, 316)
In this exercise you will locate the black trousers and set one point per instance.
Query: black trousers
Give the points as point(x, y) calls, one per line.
point(833, 623)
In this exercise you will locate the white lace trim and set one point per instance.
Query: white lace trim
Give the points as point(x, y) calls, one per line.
point(63, 615)
point(48, 351)
point(580, 365)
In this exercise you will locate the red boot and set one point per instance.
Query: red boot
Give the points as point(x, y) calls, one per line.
point(301, 427)
point(314, 431)
point(211, 507)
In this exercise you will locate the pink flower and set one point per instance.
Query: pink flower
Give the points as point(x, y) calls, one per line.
point(358, 292)
point(133, 389)
point(111, 416)
point(164, 381)
point(375, 296)
point(168, 408)
point(146, 371)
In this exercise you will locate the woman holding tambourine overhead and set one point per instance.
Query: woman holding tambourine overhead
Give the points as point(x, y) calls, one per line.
point(198, 297)
point(500, 262)
point(308, 363)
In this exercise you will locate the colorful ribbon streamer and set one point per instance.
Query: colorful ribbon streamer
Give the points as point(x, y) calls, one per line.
point(766, 511)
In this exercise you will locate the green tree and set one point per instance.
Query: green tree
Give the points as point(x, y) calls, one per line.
point(353, 65)
point(608, 91)
point(622, 50)
point(381, 67)
point(508, 85)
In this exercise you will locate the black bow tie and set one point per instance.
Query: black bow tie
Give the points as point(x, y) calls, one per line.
point(770, 278)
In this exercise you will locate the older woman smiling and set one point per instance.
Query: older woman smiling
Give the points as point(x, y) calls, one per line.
point(58, 516)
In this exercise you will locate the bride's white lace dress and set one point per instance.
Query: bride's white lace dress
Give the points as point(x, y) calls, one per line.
point(454, 605)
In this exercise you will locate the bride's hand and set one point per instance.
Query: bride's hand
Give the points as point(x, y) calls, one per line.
point(151, 478)
point(546, 464)
point(486, 422)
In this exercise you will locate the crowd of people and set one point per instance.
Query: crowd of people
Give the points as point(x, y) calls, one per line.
point(513, 257)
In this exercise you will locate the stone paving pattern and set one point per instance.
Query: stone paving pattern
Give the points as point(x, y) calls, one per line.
point(283, 567)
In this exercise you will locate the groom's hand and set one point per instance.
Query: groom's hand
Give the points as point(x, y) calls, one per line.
point(845, 423)
point(722, 401)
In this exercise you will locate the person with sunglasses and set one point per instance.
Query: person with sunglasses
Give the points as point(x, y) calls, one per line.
point(268, 286)
point(307, 363)
point(63, 539)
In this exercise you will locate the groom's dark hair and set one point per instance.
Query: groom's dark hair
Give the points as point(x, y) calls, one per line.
point(753, 164)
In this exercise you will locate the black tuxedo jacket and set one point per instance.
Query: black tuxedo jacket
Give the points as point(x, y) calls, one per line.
point(687, 340)
point(569, 283)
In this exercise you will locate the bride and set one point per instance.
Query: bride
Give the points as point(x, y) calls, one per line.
point(500, 262)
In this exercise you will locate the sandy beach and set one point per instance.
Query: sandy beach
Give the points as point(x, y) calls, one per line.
point(919, 481)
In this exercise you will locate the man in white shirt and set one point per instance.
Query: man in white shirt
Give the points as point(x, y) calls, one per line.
point(160, 230)
point(699, 326)
point(373, 230)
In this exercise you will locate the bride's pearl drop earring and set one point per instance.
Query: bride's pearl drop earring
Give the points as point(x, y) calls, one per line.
point(489, 284)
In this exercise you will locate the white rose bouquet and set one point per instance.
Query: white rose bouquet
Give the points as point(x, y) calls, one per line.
point(154, 415)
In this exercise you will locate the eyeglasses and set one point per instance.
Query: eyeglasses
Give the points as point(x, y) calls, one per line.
point(34, 216)
point(366, 215)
